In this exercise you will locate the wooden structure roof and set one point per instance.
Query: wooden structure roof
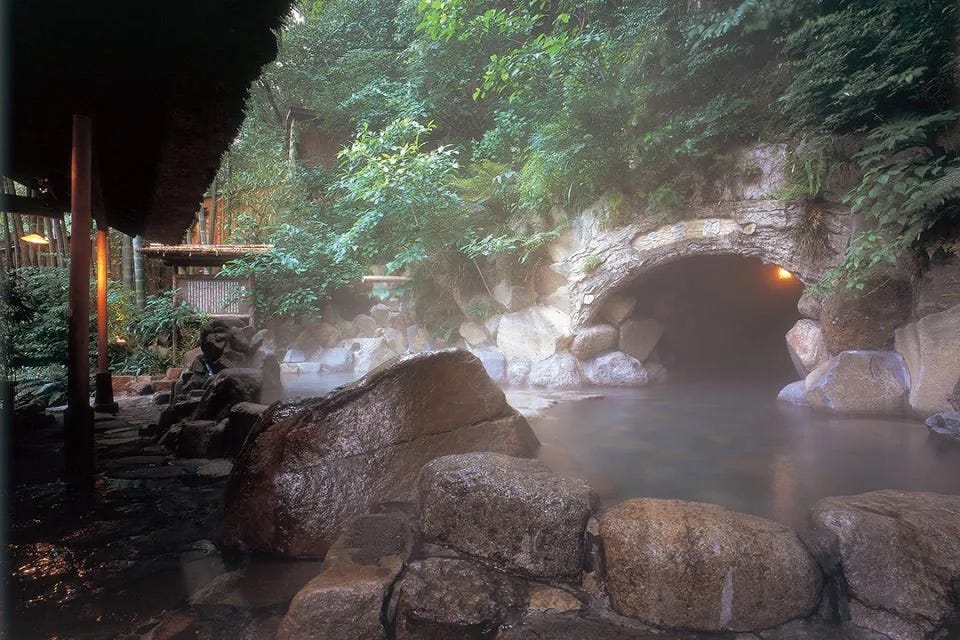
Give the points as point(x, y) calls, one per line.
point(164, 83)
point(202, 255)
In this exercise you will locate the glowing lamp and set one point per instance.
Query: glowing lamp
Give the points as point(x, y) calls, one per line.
point(783, 274)
point(34, 238)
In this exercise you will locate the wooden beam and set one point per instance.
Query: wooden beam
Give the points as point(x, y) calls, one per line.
point(79, 448)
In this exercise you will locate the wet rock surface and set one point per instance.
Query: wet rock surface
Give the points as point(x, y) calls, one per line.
point(806, 346)
point(749, 573)
point(860, 383)
point(899, 556)
point(345, 601)
point(514, 514)
point(299, 479)
point(441, 598)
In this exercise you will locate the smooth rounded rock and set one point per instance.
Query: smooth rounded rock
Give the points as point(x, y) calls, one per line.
point(617, 369)
point(558, 372)
point(692, 565)
point(594, 340)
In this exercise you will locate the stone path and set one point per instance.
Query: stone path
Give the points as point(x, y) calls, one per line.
point(113, 560)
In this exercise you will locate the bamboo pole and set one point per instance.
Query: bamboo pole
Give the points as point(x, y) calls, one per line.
point(139, 281)
point(126, 261)
point(64, 240)
point(79, 448)
point(23, 259)
point(52, 253)
point(6, 236)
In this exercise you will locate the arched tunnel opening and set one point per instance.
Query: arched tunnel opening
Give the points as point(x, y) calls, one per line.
point(724, 318)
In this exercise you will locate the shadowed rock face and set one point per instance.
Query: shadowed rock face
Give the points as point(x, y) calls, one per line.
point(899, 555)
point(299, 479)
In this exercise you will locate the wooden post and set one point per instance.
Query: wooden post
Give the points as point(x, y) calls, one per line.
point(79, 446)
point(104, 389)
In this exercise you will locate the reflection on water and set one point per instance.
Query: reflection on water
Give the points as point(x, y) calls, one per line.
point(734, 445)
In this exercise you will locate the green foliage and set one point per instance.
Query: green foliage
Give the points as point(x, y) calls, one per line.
point(398, 195)
point(468, 124)
point(592, 263)
point(35, 308)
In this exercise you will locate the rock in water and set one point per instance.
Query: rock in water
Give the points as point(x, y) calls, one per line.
point(698, 566)
point(945, 424)
point(794, 393)
point(299, 479)
point(860, 382)
point(617, 369)
point(899, 555)
point(559, 371)
point(514, 514)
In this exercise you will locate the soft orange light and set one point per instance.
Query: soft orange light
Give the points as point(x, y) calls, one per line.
point(783, 274)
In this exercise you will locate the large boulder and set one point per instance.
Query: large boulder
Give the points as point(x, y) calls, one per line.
point(638, 336)
point(806, 346)
point(227, 388)
point(448, 598)
point(239, 425)
point(931, 348)
point(345, 602)
point(852, 319)
point(533, 333)
point(898, 554)
point(617, 369)
point(300, 478)
point(859, 382)
point(559, 372)
point(698, 566)
point(514, 514)
point(592, 341)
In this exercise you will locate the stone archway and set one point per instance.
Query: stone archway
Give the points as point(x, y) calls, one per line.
point(603, 263)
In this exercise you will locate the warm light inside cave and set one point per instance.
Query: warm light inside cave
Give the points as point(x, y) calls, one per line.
point(783, 274)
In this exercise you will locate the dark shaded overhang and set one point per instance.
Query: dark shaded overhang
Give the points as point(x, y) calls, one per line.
point(164, 82)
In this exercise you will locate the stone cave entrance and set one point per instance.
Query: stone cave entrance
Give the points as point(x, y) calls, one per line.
point(724, 318)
